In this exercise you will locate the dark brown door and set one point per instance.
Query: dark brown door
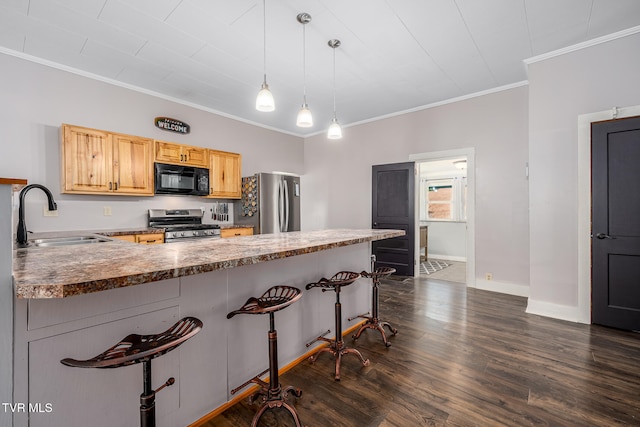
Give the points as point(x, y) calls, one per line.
point(393, 206)
point(615, 223)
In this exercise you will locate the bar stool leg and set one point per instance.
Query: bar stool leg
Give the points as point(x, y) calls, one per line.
point(275, 397)
point(147, 398)
point(336, 345)
point(373, 322)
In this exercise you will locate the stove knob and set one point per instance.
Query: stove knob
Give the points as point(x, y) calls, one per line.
point(182, 234)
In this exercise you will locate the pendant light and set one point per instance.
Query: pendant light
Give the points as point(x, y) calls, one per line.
point(335, 131)
point(264, 101)
point(304, 119)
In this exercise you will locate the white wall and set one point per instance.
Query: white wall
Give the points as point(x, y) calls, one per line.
point(37, 99)
point(447, 240)
point(338, 172)
point(561, 88)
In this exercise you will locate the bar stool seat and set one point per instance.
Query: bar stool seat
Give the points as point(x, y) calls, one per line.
point(336, 345)
point(373, 322)
point(271, 394)
point(136, 348)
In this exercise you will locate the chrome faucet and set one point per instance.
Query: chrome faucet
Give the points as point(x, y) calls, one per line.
point(22, 228)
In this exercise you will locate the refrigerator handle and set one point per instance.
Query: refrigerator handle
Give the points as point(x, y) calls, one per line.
point(280, 205)
point(286, 206)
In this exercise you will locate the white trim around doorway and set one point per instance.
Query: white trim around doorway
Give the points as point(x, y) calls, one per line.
point(471, 204)
point(584, 202)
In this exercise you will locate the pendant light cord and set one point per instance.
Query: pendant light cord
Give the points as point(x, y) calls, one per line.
point(334, 82)
point(304, 63)
point(264, 38)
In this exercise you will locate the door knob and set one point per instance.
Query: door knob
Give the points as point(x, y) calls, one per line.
point(604, 236)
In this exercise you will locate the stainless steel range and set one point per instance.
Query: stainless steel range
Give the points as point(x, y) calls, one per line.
point(182, 224)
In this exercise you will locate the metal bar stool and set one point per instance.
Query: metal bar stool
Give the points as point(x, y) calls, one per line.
point(142, 348)
point(271, 394)
point(373, 322)
point(336, 345)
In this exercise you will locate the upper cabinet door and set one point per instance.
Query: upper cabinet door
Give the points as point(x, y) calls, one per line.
point(87, 160)
point(170, 152)
point(225, 171)
point(100, 162)
point(133, 164)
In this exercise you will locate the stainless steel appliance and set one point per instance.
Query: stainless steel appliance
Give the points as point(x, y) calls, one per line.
point(270, 203)
point(176, 179)
point(182, 224)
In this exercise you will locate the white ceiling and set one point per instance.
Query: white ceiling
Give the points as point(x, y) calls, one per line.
point(396, 55)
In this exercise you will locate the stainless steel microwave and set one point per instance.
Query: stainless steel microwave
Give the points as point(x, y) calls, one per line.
point(176, 179)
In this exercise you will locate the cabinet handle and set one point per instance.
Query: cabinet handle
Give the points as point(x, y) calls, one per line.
point(110, 186)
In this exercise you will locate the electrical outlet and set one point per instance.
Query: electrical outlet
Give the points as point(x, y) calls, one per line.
point(106, 211)
point(47, 212)
point(488, 276)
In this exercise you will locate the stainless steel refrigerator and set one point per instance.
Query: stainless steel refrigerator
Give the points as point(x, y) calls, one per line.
point(270, 203)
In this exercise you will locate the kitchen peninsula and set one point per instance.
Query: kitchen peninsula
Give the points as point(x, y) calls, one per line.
point(76, 301)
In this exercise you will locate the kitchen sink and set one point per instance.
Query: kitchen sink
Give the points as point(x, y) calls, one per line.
point(68, 241)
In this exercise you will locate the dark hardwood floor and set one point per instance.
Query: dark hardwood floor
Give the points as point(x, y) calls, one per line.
point(466, 357)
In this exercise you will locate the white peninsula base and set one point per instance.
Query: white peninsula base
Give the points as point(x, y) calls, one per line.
point(222, 356)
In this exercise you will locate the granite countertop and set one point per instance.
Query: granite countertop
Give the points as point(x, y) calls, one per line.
point(63, 271)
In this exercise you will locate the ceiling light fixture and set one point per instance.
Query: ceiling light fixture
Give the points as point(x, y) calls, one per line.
point(264, 101)
point(304, 119)
point(335, 131)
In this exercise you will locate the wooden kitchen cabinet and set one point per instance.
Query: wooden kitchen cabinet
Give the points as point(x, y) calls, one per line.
point(225, 171)
point(101, 162)
point(179, 154)
point(145, 239)
point(235, 232)
point(150, 239)
point(126, 237)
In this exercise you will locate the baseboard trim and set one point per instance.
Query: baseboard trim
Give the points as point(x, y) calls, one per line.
point(245, 394)
point(447, 257)
point(502, 287)
point(555, 311)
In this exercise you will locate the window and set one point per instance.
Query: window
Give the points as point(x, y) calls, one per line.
point(444, 199)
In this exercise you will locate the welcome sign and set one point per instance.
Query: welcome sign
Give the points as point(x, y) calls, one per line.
point(172, 125)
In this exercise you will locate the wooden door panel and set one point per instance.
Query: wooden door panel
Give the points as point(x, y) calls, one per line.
point(133, 164)
point(393, 207)
point(168, 152)
point(615, 249)
point(196, 156)
point(88, 161)
point(225, 174)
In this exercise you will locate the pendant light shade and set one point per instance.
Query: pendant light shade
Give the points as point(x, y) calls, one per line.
point(304, 119)
point(264, 101)
point(335, 131)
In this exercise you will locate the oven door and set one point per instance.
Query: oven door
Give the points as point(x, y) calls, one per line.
point(175, 179)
